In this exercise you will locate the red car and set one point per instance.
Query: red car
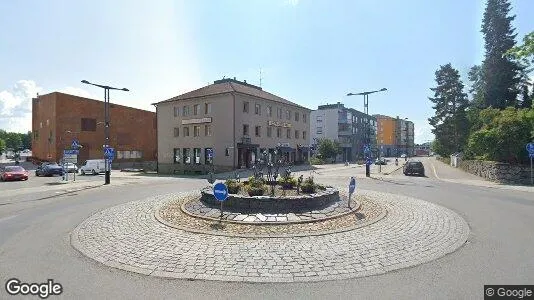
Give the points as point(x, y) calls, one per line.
point(13, 173)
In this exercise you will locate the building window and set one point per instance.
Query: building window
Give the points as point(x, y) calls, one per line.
point(186, 156)
point(185, 131)
point(288, 115)
point(208, 160)
point(88, 124)
point(288, 133)
point(185, 111)
point(279, 113)
point(196, 153)
point(304, 117)
point(296, 134)
point(296, 116)
point(207, 108)
point(269, 131)
point(304, 135)
point(196, 131)
point(257, 130)
point(196, 109)
point(319, 119)
point(36, 134)
point(176, 111)
point(40, 124)
point(278, 132)
point(245, 106)
point(207, 130)
point(47, 122)
point(319, 130)
point(245, 129)
point(269, 111)
point(176, 158)
point(129, 154)
point(176, 132)
point(257, 109)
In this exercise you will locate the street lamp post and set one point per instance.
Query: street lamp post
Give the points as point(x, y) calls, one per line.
point(367, 137)
point(106, 125)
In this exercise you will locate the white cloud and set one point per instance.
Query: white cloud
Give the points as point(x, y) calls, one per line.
point(422, 132)
point(16, 104)
point(77, 92)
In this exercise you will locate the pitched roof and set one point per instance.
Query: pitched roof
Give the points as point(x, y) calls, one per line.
point(228, 86)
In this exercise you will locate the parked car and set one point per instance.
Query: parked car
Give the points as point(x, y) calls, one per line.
point(414, 167)
point(49, 169)
point(93, 166)
point(381, 161)
point(403, 155)
point(70, 168)
point(9, 173)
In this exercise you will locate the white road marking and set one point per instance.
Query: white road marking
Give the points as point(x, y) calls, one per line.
point(7, 218)
point(434, 169)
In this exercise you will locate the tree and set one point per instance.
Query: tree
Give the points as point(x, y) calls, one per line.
point(476, 77)
point(524, 52)
point(13, 141)
point(2, 146)
point(26, 140)
point(450, 103)
point(501, 74)
point(328, 148)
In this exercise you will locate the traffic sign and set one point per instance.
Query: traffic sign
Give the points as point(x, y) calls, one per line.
point(109, 153)
point(71, 152)
point(352, 185)
point(75, 144)
point(530, 148)
point(220, 191)
point(209, 153)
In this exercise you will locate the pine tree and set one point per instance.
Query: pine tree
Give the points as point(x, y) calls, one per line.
point(450, 103)
point(501, 74)
point(476, 77)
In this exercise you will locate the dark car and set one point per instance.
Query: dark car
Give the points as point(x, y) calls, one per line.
point(49, 169)
point(13, 173)
point(381, 161)
point(414, 167)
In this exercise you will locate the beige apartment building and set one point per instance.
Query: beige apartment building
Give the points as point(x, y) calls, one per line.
point(235, 121)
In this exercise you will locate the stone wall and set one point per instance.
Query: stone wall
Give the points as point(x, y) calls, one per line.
point(267, 204)
point(497, 171)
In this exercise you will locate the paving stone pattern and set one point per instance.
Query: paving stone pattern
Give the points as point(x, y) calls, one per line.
point(171, 214)
point(199, 208)
point(128, 237)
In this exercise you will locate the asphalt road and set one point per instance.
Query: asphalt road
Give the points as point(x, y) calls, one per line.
point(34, 244)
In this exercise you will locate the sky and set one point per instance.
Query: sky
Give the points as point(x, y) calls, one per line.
point(311, 52)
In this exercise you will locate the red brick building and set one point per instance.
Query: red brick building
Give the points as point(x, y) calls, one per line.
point(59, 118)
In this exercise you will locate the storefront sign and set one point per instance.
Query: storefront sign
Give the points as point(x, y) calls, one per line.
point(196, 121)
point(279, 124)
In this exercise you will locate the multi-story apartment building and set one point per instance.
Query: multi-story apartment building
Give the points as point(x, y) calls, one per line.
point(235, 121)
point(58, 119)
point(346, 126)
point(395, 136)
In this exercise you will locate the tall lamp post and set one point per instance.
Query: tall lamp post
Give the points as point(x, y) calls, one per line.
point(106, 124)
point(367, 137)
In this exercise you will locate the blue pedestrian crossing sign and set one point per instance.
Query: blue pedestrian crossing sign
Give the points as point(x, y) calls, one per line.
point(109, 153)
point(75, 144)
point(352, 185)
point(220, 191)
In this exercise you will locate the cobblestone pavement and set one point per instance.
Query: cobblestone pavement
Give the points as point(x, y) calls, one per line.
point(171, 214)
point(128, 237)
point(200, 209)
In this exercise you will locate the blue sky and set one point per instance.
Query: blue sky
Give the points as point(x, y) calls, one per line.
point(310, 51)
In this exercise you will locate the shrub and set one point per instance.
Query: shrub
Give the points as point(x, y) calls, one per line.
point(316, 161)
point(233, 186)
point(256, 187)
point(308, 186)
point(287, 182)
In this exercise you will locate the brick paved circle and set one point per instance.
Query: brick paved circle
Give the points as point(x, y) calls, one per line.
point(128, 237)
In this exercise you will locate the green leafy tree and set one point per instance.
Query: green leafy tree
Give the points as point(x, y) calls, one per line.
point(524, 52)
point(26, 139)
point(476, 78)
point(2, 146)
point(328, 149)
point(450, 103)
point(13, 141)
point(501, 75)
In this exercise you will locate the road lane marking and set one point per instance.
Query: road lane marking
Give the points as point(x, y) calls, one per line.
point(7, 218)
point(434, 169)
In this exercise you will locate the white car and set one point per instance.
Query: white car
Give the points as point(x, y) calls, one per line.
point(403, 156)
point(93, 166)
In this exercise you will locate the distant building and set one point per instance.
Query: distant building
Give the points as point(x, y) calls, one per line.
point(235, 121)
point(58, 119)
point(346, 126)
point(422, 149)
point(395, 136)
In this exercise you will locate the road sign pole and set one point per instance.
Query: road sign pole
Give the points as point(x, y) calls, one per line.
point(531, 177)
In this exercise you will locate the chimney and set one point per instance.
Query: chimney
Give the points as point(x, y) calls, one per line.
point(234, 78)
point(244, 81)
